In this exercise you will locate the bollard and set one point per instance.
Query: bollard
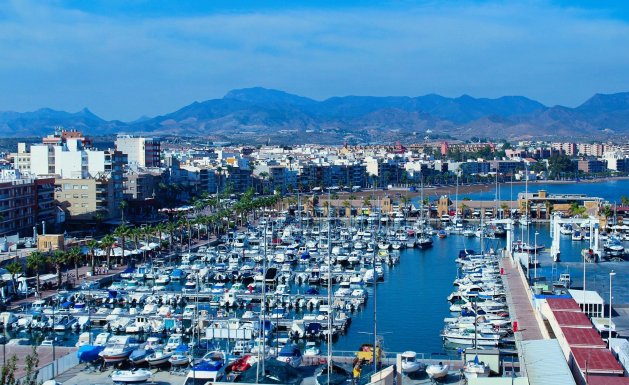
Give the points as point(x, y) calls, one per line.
point(515, 326)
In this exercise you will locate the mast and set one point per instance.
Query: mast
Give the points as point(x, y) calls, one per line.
point(375, 334)
point(329, 343)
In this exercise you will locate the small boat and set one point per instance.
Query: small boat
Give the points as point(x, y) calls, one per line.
point(159, 357)
point(180, 356)
point(139, 355)
point(89, 353)
point(290, 354)
point(438, 371)
point(311, 349)
point(209, 367)
point(474, 369)
point(118, 349)
point(442, 234)
point(410, 363)
point(131, 376)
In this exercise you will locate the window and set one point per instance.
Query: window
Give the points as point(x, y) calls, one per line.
point(67, 186)
point(84, 196)
point(83, 204)
point(75, 196)
point(67, 196)
point(84, 187)
point(75, 187)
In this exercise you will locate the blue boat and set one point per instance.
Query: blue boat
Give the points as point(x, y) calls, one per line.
point(89, 353)
point(138, 356)
point(177, 275)
point(291, 355)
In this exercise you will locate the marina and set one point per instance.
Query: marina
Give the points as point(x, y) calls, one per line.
point(307, 284)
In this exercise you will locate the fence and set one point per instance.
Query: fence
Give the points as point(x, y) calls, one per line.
point(55, 368)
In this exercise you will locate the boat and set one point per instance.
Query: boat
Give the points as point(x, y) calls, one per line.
point(158, 357)
point(139, 355)
point(410, 363)
point(437, 371)
point(89, 353)
point(180, 356)
point(209, 368)
point(290, 354)
point(118, 349)
point(338, 374)
point(474, 369)
point(442, 234)
point(138, 376)
point(311, 349)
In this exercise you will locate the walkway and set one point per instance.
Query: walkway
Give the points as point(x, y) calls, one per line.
point(519, 302)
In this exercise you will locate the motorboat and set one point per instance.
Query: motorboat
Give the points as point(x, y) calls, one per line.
point(209, 368)
point(311, 349)
point(180, 356)
point(158, 357)
point(118, 349)
point(290, 354)
point(138, 376)
point(410, 363)
point(64, 322)
point(89, 353)
point(437, 371)
point(474, 369)
point(337, 374)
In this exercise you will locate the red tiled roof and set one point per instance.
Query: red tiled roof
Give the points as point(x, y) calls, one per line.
point(594, 379)
point(579, 337)
point(598, 360)
point(565, 304)
point(572, 319)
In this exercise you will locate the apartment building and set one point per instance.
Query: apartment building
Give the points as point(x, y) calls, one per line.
point(144, 152)
point(88, 199)
point(24, 202)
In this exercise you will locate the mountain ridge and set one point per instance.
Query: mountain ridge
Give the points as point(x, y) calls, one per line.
point(267, 113)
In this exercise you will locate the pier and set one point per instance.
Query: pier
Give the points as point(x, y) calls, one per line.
point(519, 301)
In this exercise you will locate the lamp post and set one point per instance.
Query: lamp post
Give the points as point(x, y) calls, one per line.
point(535, 251)
point(611, 275)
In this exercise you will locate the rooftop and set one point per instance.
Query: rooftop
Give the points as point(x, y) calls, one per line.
point(572, 319)
point(596, 360)
point(579, 337)
point(591, 297)
point(563, 304)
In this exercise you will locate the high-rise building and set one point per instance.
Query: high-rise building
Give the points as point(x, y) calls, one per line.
point(144, 152)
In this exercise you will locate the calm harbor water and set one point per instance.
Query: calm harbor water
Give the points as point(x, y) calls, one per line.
point(610, 190)
point(411, 303)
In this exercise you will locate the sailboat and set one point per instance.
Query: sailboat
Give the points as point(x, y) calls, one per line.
point(332, 373)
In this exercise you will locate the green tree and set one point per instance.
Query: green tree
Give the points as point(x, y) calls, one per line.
point(122, 232)
point(35, 261)
point(107, 242)
point(624, 200)
point(92, 245)
point(122, 206)
point(576, 209)
point(559, 164)
point(58, 258)
point(74, 255)
point(14, 268)
point(7, 373)
point(31, 361)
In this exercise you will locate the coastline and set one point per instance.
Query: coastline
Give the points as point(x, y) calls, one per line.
point(432, 191)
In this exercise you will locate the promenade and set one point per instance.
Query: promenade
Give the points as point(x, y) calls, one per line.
point(518, 298)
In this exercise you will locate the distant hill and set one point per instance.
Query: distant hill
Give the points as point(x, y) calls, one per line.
point(260, 114)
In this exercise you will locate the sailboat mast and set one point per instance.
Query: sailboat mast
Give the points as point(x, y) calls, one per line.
point(375, 334)
point(329, 290)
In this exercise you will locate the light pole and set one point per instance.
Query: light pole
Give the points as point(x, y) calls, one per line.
point(611, 275)
point(535, 251)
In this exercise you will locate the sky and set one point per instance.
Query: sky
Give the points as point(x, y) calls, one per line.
point(124, 59)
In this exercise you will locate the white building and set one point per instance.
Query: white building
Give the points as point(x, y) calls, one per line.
point(144, 152)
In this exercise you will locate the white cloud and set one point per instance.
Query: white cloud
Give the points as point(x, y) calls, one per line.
point(124, 67)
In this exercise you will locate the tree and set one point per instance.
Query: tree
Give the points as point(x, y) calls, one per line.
point(123, 205)
point(107, 242)
point(7, 373)
point(35, 261)
point(624, 200)
point(31, 361)
point(14, 268)
point(122, 232)
point(575, 209)
point(559, 164)
point(92, 245)
point(74, 255)
point(58, 258)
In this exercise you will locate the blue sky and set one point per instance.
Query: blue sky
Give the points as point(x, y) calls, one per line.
point(127, 58)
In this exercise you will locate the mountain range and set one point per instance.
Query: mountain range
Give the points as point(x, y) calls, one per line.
point(260, 114)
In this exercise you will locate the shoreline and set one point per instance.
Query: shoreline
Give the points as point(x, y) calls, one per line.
point(435, 191)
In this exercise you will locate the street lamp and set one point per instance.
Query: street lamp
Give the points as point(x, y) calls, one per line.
point(611, 275)
point(535, 251)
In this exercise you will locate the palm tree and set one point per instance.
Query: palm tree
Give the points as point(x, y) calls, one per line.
point(576, 209)
point(74, 255)
point(14, 268)
point(107, 242)
point(35, 261)
point(58, 258)
point(122, 232)
point(122, 205)
point(92, 245)
point(505, 208)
